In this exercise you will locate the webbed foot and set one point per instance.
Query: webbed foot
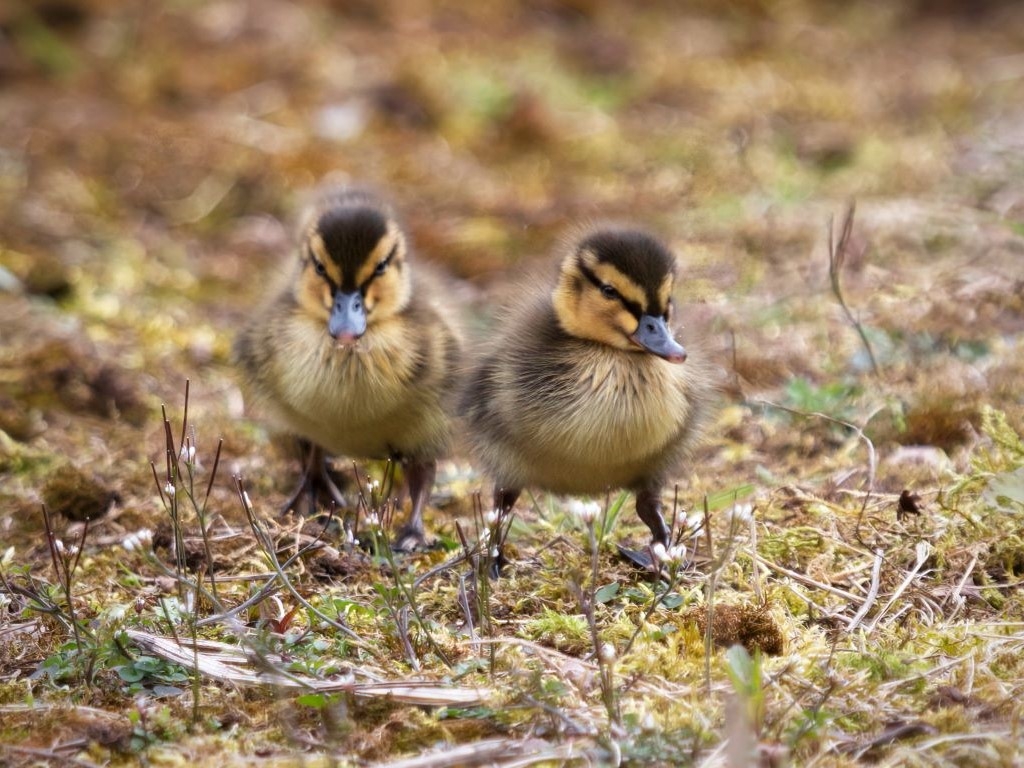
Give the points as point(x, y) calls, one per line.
point(314, 483)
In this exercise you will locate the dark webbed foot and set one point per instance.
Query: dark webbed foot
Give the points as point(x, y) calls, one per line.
point(409, 539)
point(648, 508)
point(639, 558)
point(419, 476)
point(314, 483)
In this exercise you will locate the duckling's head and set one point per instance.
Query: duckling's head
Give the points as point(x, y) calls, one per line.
point(353, 267)
point(615, 287)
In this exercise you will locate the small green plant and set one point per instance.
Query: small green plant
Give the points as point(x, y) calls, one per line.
point(747, 677)
point(670, 563)
point(597, 522)
point(486, 559)
point(397, 599)
point(153, 676)
point(182, 502)
point(65, 563)
point(150, 725)
point(92, 645)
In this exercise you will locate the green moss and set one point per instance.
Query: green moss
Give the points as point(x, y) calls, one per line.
point(884, 665)
point(566, 632)
point(19, 459)
point(1008, 665)
point(791, 546)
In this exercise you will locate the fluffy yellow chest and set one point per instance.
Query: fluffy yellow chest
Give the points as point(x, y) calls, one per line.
point(359, 400)
point(615, 409)
point(360, 380)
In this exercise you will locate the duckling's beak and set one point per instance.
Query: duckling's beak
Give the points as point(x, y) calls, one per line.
point(653, 335)
point(348, 317)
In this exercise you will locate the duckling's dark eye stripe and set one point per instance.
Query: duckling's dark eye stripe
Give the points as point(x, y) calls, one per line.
point(380, 268)
point(631, 306)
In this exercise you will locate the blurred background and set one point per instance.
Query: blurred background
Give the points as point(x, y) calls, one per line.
point(154, 157)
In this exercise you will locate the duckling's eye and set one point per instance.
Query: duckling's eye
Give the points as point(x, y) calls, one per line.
point(381, 268)
point(609, 292)
point(320, 268)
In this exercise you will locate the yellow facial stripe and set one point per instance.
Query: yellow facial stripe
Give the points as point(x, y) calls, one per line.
point(630, 291)
point(319, 249)
point(625, 323)
point(589, 260)
point(379, 253)
point(665, 290)
point(314, 294)
point(372, 297)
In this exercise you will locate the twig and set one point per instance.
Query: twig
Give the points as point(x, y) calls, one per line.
point(447, 565)
point(956, 593)
point(508, 753)
point(753, 549)
point(574, 728)
point(872, 593)
point(467, 610)
point(807, 580)
point(923, 550)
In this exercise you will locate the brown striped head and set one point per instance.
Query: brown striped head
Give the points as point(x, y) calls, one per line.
point(353, 266)
point(615, 287)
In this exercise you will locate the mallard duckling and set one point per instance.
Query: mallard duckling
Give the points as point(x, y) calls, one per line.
point(352, 356)
point(585, 389)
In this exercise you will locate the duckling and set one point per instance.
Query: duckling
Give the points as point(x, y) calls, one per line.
point(585, 389)
point(352, 356)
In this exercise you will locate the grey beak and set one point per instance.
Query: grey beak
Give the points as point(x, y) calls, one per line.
point(348, 317)
point(653, 335)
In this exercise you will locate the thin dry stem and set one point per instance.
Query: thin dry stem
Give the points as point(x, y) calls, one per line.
point(837, 252)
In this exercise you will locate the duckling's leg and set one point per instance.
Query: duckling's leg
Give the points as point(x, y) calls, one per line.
point(419, 475)
point(504, 500)
point(648, 507)
point(315, 479)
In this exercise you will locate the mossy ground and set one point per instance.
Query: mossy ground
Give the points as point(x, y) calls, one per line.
point(153, 158)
